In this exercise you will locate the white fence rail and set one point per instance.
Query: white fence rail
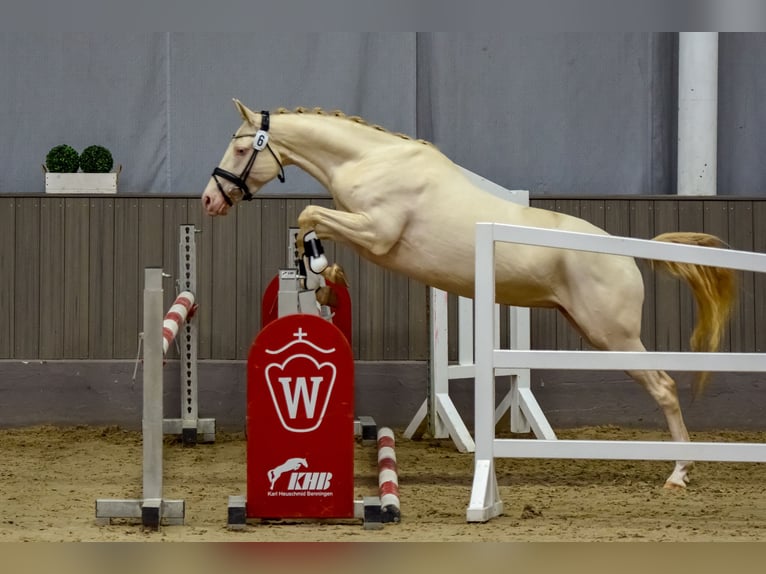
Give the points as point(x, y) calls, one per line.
point(485, 502)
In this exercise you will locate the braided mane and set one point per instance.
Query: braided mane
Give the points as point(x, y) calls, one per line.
point(356, 119)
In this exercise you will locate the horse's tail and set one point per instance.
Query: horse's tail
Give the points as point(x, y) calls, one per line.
point(714, 290)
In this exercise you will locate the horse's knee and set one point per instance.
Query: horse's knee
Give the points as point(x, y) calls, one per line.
point(308, 218)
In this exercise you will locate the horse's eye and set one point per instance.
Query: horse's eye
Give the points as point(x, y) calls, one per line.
point(240, 151)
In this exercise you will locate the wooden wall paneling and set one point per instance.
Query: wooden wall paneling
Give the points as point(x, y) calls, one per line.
point(151, 233)
point(741, 231)
point(7, 279)
point(272, 239)
point(372, 310)
point(543, 321)
point(759, 280)
point(224, 294)
point(174, 214)
point(641, 226)
point(27, 279)
point(52, 264)
point(101, 279)
point(249, 276)
point(691, 217)
point(667, 288)
point(417, 300)
point(76, 277)
point(396, 329)
point(204, 241)
point(128, 278)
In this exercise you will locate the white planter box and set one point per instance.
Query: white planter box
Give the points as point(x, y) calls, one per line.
point(84, 183)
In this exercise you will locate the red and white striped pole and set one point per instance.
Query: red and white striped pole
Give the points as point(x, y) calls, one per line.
point(182, 310)
point(388, 478)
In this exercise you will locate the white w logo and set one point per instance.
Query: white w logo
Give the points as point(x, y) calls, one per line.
point(300, 399)
point(300, 394)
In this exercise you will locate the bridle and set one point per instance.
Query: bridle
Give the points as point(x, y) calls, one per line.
point(260, 142)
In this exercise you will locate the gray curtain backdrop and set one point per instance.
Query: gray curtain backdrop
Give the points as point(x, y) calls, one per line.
point(563, 114)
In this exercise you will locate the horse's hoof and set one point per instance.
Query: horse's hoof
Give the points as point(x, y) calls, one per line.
point(674, 485)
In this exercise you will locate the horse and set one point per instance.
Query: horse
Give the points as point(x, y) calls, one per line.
point(405, 206)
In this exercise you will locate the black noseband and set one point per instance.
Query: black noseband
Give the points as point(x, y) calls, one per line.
point(260, 142)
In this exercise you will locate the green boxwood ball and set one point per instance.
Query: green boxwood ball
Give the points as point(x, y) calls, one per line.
point(96, 159)
point(62, 159)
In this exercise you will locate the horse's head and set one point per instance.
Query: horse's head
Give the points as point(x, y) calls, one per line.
point(243, 169)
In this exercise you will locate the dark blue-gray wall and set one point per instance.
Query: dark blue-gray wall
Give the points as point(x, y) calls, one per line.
point(554, 113)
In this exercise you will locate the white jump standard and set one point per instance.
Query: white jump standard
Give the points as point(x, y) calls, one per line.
point(152, 509)
point(485, 502)
point(188, 426)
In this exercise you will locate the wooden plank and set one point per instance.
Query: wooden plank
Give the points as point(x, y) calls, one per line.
point(690, 218)
point(396, 329)
point(417, 300)
point(51, 273)
point(373, 312)
point(641, 226)
point(566, 336)
point(741, 233)
point(101, 279)
point(204, 295)
point(27, 279)
point(666, 292)
point(224, 296)
point(174, 214)
point(249, 276)
point(150, 246)
point(452, 327)
point(594, 211)
point(76, 277)
point(7, 282)
point(759, 280)
point(273, 237)
point(128, 278)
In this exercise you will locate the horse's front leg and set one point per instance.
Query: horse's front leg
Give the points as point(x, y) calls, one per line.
point(374, 234)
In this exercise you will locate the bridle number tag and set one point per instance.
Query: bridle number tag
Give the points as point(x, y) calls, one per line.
point(260, 140)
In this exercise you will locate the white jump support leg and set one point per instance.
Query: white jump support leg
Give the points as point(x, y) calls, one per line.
point(485, 501)
point(189, 426)
point(152, 509)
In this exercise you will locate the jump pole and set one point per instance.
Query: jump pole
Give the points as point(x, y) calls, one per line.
point(159, 333)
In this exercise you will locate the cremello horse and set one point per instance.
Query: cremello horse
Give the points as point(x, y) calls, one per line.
point(406, 207)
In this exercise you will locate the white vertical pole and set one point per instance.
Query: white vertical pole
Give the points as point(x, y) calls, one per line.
point(697, 113)
point(152, 384)
point(484, 305)
point(187, 274)
point(439, 359)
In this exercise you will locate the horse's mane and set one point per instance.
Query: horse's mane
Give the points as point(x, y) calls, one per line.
point(355, 119)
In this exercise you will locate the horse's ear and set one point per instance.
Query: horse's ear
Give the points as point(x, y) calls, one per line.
point(244, 111)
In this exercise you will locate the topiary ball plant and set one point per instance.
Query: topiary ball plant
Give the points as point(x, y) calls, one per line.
point(62, 159)
point(96, 159)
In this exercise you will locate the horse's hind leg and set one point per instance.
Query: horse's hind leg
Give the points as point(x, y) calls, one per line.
point(616, 331)
point(663, 389)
